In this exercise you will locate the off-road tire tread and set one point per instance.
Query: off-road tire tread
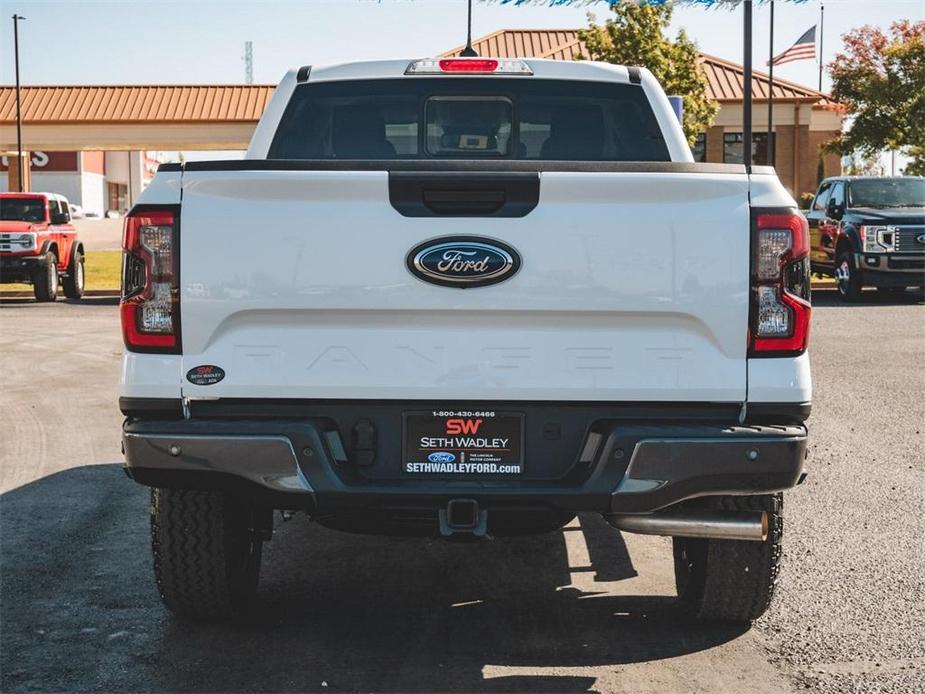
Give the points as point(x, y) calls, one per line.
point(41, 285)
point(737, 581)
point(195, 536)
point(71, 290)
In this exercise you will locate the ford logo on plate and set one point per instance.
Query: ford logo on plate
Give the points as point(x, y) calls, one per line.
point(441, 457)
point(463, 261)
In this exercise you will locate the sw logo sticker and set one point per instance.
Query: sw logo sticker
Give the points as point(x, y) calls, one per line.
point(205, 375)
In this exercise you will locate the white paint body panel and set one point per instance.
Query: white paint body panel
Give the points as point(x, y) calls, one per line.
point(633, 287)
point(780, 380)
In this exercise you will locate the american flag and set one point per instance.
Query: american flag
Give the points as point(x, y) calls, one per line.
point(803, 49)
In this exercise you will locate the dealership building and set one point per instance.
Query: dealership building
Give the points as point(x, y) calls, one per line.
point(100, 145)
point(99, 182)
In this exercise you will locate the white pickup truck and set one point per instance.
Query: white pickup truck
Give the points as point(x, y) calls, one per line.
point(469, 298)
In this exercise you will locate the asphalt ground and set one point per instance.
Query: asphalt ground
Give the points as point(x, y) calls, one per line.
point(99, 234)
point(582, 609)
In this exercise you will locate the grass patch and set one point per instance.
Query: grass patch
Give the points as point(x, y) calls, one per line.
point(103, 271)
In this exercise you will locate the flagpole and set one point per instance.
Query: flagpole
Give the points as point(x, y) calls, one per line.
point(770, 145)
point(821, 29)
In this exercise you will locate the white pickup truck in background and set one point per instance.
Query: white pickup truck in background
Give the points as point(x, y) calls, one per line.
point(466, 297)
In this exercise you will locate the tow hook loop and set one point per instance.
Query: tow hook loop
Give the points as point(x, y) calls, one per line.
point(463, 516)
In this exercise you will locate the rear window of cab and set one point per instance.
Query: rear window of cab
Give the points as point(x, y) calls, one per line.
point(470, 118)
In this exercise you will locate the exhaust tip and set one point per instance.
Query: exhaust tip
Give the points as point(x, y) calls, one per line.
point(751, 526)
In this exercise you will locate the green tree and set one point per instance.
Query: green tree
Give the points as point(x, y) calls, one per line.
point(880, 80)
point(635, 35)
point(860, 165)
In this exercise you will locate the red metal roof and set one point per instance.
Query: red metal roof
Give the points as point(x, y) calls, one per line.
point(161, 103)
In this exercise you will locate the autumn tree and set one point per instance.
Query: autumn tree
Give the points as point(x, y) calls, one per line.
point(635, 35)
point(880, 80)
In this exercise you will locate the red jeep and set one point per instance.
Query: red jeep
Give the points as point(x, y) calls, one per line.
point(39, 246)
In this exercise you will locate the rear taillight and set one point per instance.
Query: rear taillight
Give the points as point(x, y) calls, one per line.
point(150, 307)
point(780, 308)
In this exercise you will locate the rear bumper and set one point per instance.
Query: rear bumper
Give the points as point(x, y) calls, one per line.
point(613, 464)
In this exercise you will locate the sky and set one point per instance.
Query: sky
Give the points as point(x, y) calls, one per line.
point(202, 41)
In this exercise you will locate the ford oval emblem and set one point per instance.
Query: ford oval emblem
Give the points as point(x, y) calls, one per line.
point(441, 457)
point(463, 261)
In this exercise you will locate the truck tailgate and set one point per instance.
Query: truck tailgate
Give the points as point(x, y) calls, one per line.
point(633, 287)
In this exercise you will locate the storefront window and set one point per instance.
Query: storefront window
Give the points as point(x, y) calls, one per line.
point(699, 148)
point(732, 148)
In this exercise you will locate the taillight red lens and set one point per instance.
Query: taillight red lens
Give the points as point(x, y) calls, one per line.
point(780, 311)
point(150, 306)
point(468, 65)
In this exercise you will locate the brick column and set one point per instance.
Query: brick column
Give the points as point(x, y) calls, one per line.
point(715, 144)
point(784, 153)
point(20, 165)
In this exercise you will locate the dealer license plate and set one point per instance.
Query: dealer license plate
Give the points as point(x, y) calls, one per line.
point(463, 442)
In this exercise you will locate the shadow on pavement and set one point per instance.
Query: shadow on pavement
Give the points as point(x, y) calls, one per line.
point(11, 301)
point(337, 612)
point(869, 297)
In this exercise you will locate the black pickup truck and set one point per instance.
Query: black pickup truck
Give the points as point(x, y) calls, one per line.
point(869, 232)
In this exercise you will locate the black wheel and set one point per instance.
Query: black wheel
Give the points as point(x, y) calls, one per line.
point(74, 282)
point(847, 277)
point(206, 552)
point(730, 580)
point(45, 282)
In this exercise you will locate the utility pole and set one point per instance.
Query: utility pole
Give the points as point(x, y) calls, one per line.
point(747, 86)
point(771, 142)
point(19, 158)
point(248, 62)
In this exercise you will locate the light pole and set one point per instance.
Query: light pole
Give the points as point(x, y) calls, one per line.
point(747, 86)
point(770, 147)
point(19, 158)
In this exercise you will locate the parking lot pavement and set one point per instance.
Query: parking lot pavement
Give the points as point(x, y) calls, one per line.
point(851, 614)
point(58, 386)
point(99, 234)
point(580, 609)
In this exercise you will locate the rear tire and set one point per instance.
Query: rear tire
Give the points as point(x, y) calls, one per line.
point(847, 277)
point(74, 282)
point(730, 580)
point(206, 552)
point(45, 282)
